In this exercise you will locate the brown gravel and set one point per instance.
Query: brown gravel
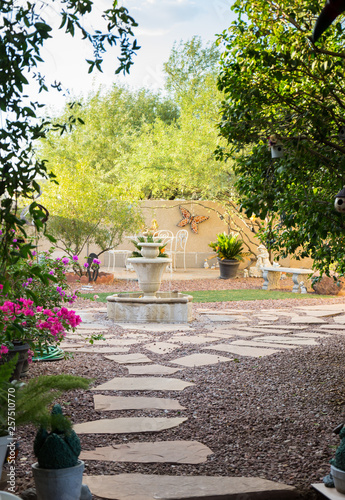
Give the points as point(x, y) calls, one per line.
point(271, 417)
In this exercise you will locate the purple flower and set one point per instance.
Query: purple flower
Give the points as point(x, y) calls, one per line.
point(34, 253)
point(96, 261)
point(0, 231)
point(75, 257)
point(86, 265)
point(15, 240)
point(65, 261)
point(51, 272)
point(58, 258)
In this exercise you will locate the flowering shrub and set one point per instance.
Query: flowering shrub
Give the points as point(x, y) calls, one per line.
point(41, 279)
point(22, 320)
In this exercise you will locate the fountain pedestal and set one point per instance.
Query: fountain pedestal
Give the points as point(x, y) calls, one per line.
point(150, 306)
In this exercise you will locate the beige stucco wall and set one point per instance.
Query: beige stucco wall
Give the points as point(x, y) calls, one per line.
point(167, 214)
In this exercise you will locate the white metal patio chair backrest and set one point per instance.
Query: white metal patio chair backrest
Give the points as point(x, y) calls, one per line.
point(180, 245)
point(167, 238)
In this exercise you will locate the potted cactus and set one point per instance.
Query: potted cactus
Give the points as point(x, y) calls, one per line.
point(58, 473)
point(337, 476)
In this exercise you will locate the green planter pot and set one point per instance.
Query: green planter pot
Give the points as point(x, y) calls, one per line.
point(228, 268)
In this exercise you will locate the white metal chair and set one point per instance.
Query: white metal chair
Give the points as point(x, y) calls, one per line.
point(180, 246)
point(167, 238)
point(112, 257)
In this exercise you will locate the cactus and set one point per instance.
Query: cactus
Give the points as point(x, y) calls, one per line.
point(339, 460)
point(59, 448)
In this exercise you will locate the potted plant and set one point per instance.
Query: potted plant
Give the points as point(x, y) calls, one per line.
point(24, 325)
point(148, 239)
point(31, 400)
point(229, 249)
point(58, 472)
point(337, 477)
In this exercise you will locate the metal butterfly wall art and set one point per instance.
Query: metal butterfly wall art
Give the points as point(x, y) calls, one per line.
point(193, 220)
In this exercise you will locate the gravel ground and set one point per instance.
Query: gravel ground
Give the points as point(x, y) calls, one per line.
point(270, 417)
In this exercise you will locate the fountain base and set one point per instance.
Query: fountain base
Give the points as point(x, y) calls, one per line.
point(164, 307)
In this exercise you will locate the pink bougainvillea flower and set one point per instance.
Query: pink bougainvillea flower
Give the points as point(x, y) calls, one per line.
point(75, 257)
point(65, 261)
point(86, 264)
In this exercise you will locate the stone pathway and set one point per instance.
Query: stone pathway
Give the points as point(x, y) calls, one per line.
point(230, 334)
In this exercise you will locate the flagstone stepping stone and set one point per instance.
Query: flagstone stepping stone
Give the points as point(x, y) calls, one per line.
point(307, 320)
point(287, 340)
point(66, 345)
point(129, 425)
point(152, 327)
point(99, 350)
point(224, 311)
point(226, 318)
point(90, 326)
point(143, 384)
point(266, 317)
point(219, 335)
point(312, 335)
point(329, 307)
point(234, 333)
point(322, 313)
point(254, 352)
point(284, 313)
point(129, 358)
point(115, 342)
point(151, 370)
point(113, 403)
point(281, 327)
point(158, 487)
point(177, 452)
point(86, 317)
point(201, 339)
point(264, 330)
point(330, 493)
point(161, 347)
point(338, 326)
point(255, 343)
point(339, 319)
point(200, 359)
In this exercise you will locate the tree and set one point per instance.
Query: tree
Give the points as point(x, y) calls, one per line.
point(23, 34)
point(277, 84)
point(176, 160)
point(85, 208)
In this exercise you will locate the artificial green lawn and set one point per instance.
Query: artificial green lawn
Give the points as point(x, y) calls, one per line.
point(231, 295)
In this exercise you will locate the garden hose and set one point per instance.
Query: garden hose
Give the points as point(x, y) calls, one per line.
point(50, 353)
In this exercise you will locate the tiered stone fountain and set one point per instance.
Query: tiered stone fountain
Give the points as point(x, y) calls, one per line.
point(150, 306)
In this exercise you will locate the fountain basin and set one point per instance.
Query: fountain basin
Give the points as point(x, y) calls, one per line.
point(149, 272)
point(164, 307)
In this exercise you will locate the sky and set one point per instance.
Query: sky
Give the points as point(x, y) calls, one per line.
point(161, 23)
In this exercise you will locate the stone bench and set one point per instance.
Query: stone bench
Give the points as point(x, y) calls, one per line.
point(300, 278)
